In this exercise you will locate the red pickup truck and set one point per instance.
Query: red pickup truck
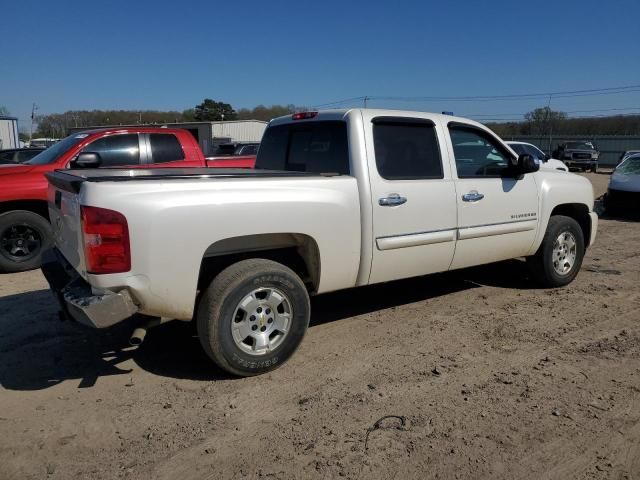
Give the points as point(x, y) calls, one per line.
point(25, 231)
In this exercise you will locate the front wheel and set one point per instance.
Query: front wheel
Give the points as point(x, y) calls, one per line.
point(559, 258)
point(253, 316)
point(24, 236)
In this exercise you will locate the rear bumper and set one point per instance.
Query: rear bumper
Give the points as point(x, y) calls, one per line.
point(79, 301)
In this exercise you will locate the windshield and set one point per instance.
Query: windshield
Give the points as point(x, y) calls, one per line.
point(518, 148)
point(580, 146)
point(52, 153)
point(631, 166)
point(536, 152)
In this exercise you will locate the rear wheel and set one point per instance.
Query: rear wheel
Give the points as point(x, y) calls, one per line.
point(559, 258)
point(253, 316)
point(24, 236)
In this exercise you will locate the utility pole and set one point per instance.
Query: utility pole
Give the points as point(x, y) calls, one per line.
point(34, 108)
point(550, 122)
point(364, 100)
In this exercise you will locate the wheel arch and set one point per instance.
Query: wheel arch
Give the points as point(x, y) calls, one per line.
point(297, 251)
point(36, 206)
point(580, 213)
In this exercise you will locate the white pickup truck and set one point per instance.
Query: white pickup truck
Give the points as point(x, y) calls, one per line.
point(338, 199)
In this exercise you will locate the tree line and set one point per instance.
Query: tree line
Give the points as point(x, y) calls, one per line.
point(541, 121)
point(57, 125)
point(545, 121)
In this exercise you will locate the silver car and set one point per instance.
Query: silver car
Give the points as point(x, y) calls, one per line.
point(624, 186)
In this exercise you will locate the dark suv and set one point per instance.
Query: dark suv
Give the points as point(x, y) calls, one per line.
point(580, 155)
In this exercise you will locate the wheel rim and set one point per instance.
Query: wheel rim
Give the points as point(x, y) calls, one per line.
point(261, 321)
point(20, 242)
point(564, 253)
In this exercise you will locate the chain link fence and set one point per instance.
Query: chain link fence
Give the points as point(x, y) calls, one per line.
point(611, 147)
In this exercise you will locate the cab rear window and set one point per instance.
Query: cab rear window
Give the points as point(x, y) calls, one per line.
point(318, 147)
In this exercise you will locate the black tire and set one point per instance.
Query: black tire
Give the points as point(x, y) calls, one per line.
point(541, 265)
point(24, 236)
point(220, 302)
point(594, 168)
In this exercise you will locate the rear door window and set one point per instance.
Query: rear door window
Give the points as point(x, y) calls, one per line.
point(319, 147)
point(165, 148)
point(25, 155)
point(7, 157)
point(406, 151)
point(116, 150)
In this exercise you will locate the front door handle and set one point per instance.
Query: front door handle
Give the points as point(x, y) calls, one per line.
point(392, 200)
point(472, 196)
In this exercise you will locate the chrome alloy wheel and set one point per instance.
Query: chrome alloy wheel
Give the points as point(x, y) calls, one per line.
point(564, 253)
point(261, 321)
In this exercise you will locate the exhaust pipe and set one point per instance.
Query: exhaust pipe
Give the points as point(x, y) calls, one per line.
point(137, 337)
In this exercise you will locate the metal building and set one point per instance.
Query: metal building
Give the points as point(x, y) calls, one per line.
point(239, 130)
point(9, 133)
point(211, 134)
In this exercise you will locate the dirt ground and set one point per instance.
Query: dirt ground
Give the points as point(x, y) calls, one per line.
point(484, 377)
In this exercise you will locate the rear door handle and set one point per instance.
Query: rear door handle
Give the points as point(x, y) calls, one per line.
point(392, 200)
point(472, 196)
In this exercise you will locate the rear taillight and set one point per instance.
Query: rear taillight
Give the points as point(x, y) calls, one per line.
point(106, 241)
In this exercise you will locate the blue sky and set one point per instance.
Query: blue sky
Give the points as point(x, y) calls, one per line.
point(170, 55)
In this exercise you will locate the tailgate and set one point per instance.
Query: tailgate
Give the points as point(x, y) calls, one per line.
point(64, 213)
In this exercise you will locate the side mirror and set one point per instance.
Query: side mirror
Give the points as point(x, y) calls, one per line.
point(527, 164)
point(87, 160)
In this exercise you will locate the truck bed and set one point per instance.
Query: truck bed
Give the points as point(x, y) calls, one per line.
point(177, 217)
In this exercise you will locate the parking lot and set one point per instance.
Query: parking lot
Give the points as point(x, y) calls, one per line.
point(478, 373)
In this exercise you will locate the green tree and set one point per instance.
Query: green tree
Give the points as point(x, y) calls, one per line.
point(262, 112)
point(189, 115)
point(210, 110)
point(4, 111)
point(544, 120)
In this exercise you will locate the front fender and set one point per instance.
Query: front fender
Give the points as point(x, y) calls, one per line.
point(567, 194)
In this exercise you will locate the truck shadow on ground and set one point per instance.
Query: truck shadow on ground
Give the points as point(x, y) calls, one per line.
point(39, 351)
